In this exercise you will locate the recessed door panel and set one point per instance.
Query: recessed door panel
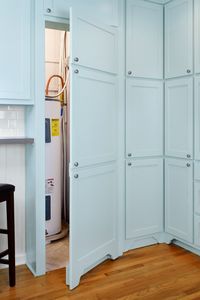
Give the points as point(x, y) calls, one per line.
point(179, 118)
point(179, 198)
point(178, 38)
point(197, 117)
point(144, 118)
point(144, 197)
point(144, 42)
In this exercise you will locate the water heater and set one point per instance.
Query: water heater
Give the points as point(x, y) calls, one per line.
point(53, 183)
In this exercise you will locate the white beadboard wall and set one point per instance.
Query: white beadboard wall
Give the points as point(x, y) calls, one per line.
point(12, 170)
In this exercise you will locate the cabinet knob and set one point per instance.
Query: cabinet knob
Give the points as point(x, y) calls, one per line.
point(188, 156)
point(129, 154)
point(76, 59)
point(48, 10)
point(188, 71)
point(76, 164)
point(188, 165)
point(130, 72)
point(129, 164)
point(76, 71)
point(76, 176)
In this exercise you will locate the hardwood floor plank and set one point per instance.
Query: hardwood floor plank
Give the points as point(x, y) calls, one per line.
point(154, 273)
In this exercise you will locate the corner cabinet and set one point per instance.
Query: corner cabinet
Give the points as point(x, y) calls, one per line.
point(15, 51)
point(144, 43)
point(179, 38)
point(144, 197)
point(179, 199)
point(179, 118)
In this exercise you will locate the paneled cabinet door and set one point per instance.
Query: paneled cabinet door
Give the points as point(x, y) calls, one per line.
point(144, 197)
point(15, 52)
point(179, 198)
point(197, 35)
point(197, 118)
point(179, 118)
point(144, 40)
point(144, 118)
point(179, 38)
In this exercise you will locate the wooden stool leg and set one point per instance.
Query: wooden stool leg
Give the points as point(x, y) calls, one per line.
point(11, 238)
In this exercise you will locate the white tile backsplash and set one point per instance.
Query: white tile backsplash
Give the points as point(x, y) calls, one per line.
point(12, 121)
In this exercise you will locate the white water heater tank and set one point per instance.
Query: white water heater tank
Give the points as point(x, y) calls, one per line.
point(53, 166)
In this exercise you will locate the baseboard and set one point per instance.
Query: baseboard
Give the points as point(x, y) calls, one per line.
point(20, 260)
point(145, 241)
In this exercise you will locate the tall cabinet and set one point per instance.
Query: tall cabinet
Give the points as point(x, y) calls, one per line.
point(144, 119)
point(179, 120)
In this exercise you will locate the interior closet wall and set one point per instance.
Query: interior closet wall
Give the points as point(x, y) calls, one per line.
point(12, 170)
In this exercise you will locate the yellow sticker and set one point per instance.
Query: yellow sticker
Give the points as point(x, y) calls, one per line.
point(55, 127)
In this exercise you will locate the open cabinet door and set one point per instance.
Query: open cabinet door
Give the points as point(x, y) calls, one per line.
point(93, 146)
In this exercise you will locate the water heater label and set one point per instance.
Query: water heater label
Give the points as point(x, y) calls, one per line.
point(49, 186)
point(55, 127)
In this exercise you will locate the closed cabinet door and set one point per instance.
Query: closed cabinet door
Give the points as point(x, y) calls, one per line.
point(144, 197)
point(144, 118)
point(144, 39)
point(179, 199)
point(178, 38)
point(197, 34)
point(15, 52)
point(197, 117)
point(179, 118)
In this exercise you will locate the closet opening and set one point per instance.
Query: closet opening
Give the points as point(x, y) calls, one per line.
point(56, 145)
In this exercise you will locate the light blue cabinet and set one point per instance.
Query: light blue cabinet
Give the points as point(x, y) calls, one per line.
point(179, 118)
point(105, 10)
point(178, 38)
point(197, 117)
point(144, 197)
point(197, 34)
point(144, 39)
point(144, 118)
point(15, 52)
point(179, 199)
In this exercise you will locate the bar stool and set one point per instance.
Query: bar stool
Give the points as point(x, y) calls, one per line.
point(7, 195)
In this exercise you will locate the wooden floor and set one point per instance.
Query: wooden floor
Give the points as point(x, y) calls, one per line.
point(57, 254)
point(154, 273)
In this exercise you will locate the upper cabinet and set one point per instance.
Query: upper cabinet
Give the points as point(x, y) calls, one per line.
point(105, 11)
point(197, 117)
point(197, 35)
point(144, 39)
point(144, 118)
point(15, 52)
point(179, 118)
point(179, 38)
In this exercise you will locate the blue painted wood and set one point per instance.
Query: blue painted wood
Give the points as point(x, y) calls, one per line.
point(93, 145)
point(144, 39)
point(144, 197)
point(197, 34)
point(179, 199)
point(179, 118)
point(178, 38)
point(16, 21)
point(197, 117)
point(144, 118)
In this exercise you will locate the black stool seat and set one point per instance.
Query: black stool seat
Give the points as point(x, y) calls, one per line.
point(7, 195)
point(7, 187)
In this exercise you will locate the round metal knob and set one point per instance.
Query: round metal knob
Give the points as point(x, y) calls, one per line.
point(188, 165)
point(129, 154)
point(76, 164)
point(76, 176)
point(188, 71)
point(48, 10)
point(188, 156)
point(76, 59)
point(129, 72)
point(76, 71)
point(129, 164)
